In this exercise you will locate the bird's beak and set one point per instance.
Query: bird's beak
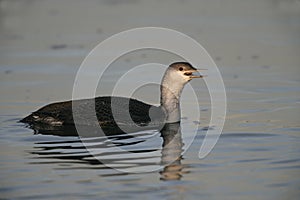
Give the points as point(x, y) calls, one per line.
point(194, 73)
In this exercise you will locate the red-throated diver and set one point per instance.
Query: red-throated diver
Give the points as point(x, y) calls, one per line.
point(174, 79)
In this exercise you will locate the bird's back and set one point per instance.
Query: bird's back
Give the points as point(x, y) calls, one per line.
point(106, 111)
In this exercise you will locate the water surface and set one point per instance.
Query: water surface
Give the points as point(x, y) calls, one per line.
point(255, 45)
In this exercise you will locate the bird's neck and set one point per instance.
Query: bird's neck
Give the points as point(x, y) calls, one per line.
point(170, 99)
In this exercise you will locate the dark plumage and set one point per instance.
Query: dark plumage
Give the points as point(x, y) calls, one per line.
point(59, 114)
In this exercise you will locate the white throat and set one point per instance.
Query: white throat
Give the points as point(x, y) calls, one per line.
point(171, 89)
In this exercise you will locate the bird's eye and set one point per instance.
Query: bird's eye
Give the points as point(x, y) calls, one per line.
point(180, 68)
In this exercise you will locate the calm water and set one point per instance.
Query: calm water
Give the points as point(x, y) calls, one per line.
point(255, 46)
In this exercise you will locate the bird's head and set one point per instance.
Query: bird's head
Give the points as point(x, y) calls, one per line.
point(182, 72)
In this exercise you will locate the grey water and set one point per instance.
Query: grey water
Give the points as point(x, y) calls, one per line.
point(255, 45)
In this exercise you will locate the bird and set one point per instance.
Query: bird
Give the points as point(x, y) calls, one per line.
point(113, 112)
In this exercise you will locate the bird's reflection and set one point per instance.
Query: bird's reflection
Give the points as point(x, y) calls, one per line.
point(171, 153)
point(101, 152)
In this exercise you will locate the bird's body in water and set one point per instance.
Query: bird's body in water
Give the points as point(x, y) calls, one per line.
point(113, 112)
